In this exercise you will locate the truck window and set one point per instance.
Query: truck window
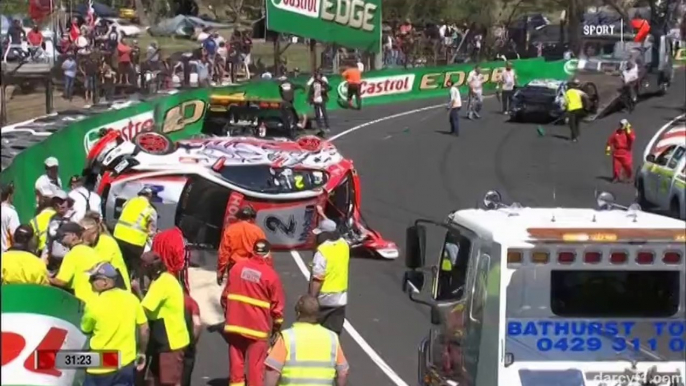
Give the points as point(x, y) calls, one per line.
point(452, 274)
point(676, 158)
point(612, 294)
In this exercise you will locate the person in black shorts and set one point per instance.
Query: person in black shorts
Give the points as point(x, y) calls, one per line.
point(288, 113)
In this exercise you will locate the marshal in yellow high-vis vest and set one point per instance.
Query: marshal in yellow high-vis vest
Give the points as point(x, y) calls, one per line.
point(132, 226)
point(337, 256)
point(310, 355)
point(40, 226)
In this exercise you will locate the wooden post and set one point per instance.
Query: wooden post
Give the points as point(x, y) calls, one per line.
point(48, 95)
point(277, 56)
point(313, 55)
point(3, 104)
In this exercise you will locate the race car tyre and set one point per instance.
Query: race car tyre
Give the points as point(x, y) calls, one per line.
point(641, 194)
point(154, 143)
point(310, 142)
point(592, 91)
point(674, 208)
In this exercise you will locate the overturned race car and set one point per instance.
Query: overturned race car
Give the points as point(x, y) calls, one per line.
point(200, 184)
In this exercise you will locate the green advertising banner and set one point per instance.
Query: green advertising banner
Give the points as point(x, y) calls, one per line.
point(349, 23)
point(180, 115)
point(38, 318)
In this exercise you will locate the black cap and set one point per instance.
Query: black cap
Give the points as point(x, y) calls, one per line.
point(70, 227)
point(23, 234)
point(262, 247)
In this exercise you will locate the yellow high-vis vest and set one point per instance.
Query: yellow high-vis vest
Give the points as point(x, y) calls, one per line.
point(337, 255)
point(573, 99)
point(310, 355)
point(40, 226)
point(132, 226)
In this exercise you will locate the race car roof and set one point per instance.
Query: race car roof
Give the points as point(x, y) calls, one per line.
point(547, 83)
point(517, 225)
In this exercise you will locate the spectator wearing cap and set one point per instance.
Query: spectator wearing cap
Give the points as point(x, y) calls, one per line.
point(164, 306)
point(20, 265)
point(42, 223)
point(10, 217)
point(54, 250)
point(73, 273)
point(105, 246)
point(69, 68)
point(84, 200)
point(329, 278)
point(237, 244)
point(49, 182)
point(254, 312)
point(137, 223)
point(116, 322)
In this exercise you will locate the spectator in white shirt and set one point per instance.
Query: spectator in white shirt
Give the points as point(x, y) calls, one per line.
point(454, 108)
point(508, 81)
point(476, 96)
point(84, 200)
point(48, 183)
point(10, 217)
point(360, 65)
point(630, 78)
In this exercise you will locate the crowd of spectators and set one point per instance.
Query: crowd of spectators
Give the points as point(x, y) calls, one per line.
point(406, 42)
point(96, 59)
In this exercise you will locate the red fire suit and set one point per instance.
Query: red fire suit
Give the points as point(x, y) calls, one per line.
point(254, 308)
point(620, 144)
point(237, 243)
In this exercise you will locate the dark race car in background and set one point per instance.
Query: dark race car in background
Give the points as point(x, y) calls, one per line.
point(540, 99)
point(200, 184)
point(237, 115)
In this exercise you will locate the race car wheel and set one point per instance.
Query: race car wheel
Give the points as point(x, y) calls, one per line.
point(154, 143)
point(310, 142)
point(641, 194)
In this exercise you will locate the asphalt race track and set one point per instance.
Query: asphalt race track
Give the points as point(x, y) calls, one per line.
point(411, 168)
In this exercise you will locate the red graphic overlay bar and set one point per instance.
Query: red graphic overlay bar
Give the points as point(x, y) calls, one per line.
point(110, 359)
point(45, 359)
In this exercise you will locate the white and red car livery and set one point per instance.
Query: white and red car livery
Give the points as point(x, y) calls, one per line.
point(200, 184)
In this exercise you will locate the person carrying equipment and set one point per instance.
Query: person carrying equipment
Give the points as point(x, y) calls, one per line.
point(574, 106)
point(289, 114)
point(620, 145)
point(237, 244)
point(137, 222)
point(629, 87)
point(254, 311)
point(306, 353)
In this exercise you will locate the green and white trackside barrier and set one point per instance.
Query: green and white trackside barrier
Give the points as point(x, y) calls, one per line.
point(36, 318)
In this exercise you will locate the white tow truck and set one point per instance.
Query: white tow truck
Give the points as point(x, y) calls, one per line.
point(551, 296)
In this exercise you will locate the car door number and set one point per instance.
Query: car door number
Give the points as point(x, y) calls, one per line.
point(275, 224)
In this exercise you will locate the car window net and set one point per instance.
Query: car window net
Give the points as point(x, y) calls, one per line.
point(598, 294)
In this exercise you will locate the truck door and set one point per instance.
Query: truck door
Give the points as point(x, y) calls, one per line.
point(456, 340)
point(667, 177)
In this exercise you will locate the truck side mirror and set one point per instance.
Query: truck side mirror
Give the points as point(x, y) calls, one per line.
point(413, 281)
point(415, 237)
point(650, 158)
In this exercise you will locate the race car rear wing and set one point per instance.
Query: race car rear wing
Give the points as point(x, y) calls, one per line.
point(224, 102)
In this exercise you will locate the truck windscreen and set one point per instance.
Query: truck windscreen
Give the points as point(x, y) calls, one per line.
point(614, 294)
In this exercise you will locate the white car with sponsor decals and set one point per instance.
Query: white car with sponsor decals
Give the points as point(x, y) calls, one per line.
point(661, 181)
point(200, 184)
point(550, 296)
